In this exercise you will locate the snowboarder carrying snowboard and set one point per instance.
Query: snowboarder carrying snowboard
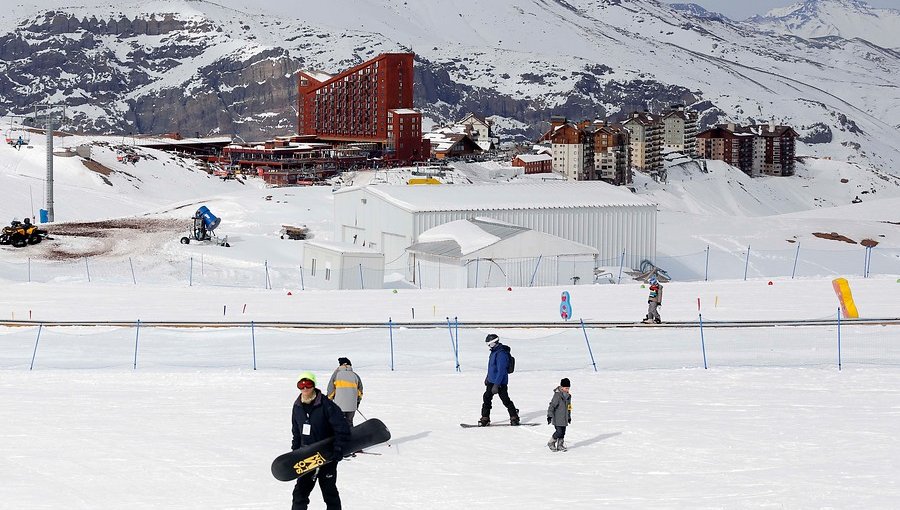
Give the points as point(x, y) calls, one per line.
point(316, 418)
point(654, 301)
point(346, 389)
point(496, 382)
point(559, 414)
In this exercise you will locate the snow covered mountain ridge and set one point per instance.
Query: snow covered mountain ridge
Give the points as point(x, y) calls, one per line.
point(202, 67)
point(846, 19)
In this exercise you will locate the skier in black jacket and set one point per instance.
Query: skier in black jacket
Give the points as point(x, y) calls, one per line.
point(316, 418)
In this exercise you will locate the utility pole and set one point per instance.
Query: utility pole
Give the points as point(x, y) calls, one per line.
point(51, 113)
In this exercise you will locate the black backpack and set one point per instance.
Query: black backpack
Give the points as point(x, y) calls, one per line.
point(511, 367)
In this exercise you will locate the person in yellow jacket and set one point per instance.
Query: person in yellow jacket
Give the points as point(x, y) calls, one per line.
point(346, 389)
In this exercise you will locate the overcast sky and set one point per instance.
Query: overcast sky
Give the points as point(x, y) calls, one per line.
point(742, 9)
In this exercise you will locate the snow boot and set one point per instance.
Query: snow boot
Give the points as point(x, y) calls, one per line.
point(552, 445)
point(484, 421)
point(658, 321)
point(514, 419)
point(561, 445)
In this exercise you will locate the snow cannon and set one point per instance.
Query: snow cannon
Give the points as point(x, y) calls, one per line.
point(210, 220)
point(204, 224)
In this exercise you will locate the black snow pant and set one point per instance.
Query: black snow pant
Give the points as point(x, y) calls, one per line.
point(349, 415)
point(504, 397)
point(327, 477)
point(560, 432)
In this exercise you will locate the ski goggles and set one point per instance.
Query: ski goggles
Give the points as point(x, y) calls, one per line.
point(305, 384)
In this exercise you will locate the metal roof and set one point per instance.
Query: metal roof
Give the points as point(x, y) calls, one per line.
point(476, 243)
point(505, 196)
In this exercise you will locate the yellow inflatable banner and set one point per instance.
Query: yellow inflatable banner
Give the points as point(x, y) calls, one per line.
point(842, 289)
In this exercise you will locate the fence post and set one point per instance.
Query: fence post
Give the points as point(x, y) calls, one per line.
point(588, 342)
point(747, 263)
point(868, 265)
point(839, 338)
point(36, 340)
point(191, 273)
point(796, 256)
point(133, 279)
point(456, 330)
point(137, 335)
point(87, 269)
point(621, 264)
point(302, 286)
point(253, 342)
point(268, 284)
point(453, 344)
point(477, 264)
point(706, 271)
point(391, 333)
point(534, 273)
point(419, 264)
point(702, 340)
point(362, 284)
point(29, 269)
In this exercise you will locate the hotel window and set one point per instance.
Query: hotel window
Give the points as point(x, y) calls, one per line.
point(312, 269)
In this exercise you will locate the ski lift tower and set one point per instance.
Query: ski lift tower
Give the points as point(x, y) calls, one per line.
point(52, 115)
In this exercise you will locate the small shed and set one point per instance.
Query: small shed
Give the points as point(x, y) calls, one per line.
point(339, 266)
point(485, 252)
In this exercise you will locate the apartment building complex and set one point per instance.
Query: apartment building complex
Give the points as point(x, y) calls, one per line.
point(371, 102)
point(590, 151)
point(680, 130)
point(646, 140)
point(759, 149)
point(612, 153)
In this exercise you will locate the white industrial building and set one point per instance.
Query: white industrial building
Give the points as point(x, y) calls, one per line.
point(606, 217)
point(484, 252)
point(337, 266)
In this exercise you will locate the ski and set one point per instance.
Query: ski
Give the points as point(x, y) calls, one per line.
point(471, 425)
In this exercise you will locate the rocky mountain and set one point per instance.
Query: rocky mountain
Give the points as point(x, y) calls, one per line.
point(199, 67)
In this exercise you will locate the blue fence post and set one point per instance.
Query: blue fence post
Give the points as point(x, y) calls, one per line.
point(419, 265)
point(839, 338)
point(302, 286)
point(253, 341)
point(36, 340)
point(453, 344)
point(391, 333)
point(706, 270)
point(534, 273)
point(796, 256)
point(191, 273)
point(456, 328)
point(268, 284)
point(702, 340)
point(137, 335)
point(747, 263)
point(588, 342)
point(133, 279)
point(87, 269)
point(362, 284)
